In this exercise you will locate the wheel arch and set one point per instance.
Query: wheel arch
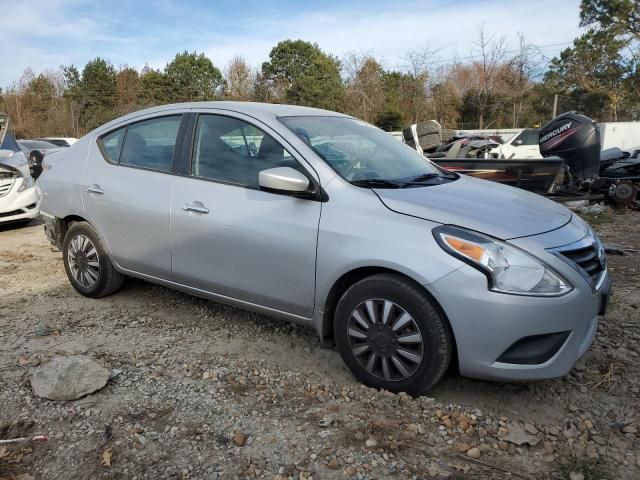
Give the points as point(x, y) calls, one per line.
point(342, 284)
point(59, 226)
point(56, 228)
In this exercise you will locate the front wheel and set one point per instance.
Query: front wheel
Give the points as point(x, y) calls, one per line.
point(391, 336)
point(87, 264)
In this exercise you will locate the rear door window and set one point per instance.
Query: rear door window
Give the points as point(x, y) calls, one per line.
point(151, 143)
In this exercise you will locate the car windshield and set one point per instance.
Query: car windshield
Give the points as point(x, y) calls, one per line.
point(364, 154)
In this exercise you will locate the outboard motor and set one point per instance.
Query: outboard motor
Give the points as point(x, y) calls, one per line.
point(576, 139)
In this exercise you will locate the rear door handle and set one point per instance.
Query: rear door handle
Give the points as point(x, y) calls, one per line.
point(95, 188)
point(196, 206)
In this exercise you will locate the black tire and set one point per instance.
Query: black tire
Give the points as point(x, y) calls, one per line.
point(108, 280)
point(435, 349)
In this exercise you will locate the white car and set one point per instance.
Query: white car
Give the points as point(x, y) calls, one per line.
point(522, 145)
point(20, 197)
point(59, 141)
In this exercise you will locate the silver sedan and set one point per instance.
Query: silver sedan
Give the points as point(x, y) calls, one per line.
point(324, 220)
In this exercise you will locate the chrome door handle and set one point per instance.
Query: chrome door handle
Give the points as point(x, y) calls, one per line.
point(196, 206)
point(95, 188)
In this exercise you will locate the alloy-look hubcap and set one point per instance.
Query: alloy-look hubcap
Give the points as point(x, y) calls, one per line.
point(385, 339)
point(83, 261)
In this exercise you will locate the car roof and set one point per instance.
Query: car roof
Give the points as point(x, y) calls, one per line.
point(36, 143)
point(262, 111)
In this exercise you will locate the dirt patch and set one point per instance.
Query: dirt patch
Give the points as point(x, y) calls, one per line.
point(195, 374)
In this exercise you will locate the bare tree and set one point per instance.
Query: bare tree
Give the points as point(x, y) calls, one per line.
point(240, 80)
point(491, 54)
point(127, 89)
point(525, 66)
point(418, 65)
point(364, 84)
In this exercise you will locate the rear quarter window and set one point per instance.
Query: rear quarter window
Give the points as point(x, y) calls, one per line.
point(151, 143)
point(112, 144)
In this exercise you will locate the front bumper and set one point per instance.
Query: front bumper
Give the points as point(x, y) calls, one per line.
point(486, 324)
point(18, 206)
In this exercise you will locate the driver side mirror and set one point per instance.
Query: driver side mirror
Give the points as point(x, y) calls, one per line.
point(517, 142)
point(283, 179)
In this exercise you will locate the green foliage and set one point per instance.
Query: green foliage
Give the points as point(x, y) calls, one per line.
point(305, 74)
point(96, 93)
point(391, 120)
point(618, 17)
point(71, 77)
point(153, 87)
point(192, 77)
point(593, 74)
point(598, 75)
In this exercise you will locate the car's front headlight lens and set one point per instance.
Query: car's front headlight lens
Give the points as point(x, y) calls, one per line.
point(508, 269)
point(27, 182)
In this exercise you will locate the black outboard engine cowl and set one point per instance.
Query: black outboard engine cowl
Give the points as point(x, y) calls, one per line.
point(576, 139)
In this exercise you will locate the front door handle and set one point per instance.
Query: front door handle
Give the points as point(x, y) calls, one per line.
point(95, 188)
point(196, 206)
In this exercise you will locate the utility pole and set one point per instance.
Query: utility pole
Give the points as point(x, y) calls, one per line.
point(555, 105)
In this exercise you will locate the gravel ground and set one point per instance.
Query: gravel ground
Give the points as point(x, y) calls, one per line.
point(209, 391)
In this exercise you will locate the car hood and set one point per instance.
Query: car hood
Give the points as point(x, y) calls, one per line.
point(488, 207)
point(14, 161)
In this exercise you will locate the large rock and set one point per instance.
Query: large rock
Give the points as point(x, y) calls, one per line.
point(68, 378)
point(519, 436)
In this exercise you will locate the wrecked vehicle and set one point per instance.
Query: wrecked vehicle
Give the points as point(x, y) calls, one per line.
point(483, 156)
point(572, 163)
point(327, 221)
point(19, 194)
point(522, 145)
point(588, 169)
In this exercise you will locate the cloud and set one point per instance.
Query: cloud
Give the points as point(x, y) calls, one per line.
point(392, 31)
point(47, 33)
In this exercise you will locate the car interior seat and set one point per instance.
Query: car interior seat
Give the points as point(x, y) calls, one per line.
point(134, 150)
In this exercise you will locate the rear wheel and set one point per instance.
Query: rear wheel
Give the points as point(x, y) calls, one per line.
point(87, 264)
point(391, 336)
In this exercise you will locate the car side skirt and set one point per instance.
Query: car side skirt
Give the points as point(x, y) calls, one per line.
point(243, 304)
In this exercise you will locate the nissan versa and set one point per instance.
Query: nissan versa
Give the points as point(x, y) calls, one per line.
point(324, 220)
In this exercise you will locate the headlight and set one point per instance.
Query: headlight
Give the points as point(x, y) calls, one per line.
point(508, 269)
point(27, 182)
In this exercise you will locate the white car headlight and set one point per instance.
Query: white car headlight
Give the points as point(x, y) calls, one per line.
point(508, 269)
point(27, 182)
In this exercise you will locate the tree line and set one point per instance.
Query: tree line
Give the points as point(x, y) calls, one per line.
point(497, 86)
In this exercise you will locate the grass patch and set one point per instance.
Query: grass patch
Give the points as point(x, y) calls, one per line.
point(597, 220)
point(590, 468)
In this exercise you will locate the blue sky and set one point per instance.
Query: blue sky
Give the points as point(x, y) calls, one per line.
point(44, 34)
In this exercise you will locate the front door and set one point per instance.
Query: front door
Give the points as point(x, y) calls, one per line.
point(230, 237)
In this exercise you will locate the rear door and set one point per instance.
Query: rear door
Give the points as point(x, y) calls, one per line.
point(230, 237)
point(127, 192)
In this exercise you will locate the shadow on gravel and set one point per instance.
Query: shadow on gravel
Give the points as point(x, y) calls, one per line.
point(5, 227)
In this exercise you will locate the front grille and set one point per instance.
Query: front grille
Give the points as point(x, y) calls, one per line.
point(588, 259)
point(5, 186)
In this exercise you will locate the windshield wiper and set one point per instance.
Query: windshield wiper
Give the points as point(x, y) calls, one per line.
point(425, 177)
point(377, 183)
